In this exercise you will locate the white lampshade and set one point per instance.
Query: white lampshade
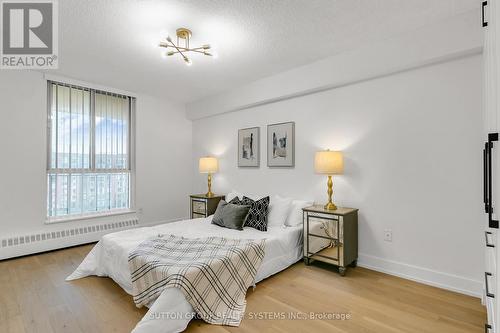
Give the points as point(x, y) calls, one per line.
point(329, 162)
point(208, 165)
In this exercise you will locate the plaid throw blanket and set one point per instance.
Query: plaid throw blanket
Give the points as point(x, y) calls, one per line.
point(213, 273)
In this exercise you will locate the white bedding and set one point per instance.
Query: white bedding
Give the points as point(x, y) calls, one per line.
point(109, 257)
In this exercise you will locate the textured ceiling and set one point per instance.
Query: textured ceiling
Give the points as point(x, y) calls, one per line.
point(112, 42)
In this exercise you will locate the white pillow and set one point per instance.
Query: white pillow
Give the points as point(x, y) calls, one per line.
point(233, 194)
point(279, 208)
point(254, 197)
point(295, 217)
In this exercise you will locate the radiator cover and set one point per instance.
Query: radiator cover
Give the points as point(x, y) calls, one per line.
point(15, 246)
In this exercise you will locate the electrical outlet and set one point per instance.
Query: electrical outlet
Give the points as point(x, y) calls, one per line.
point(388, 235)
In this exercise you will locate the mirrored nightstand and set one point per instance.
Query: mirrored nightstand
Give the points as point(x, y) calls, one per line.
point(331, 236)
point(203, 206)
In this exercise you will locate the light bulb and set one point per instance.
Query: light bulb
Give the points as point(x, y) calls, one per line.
point(163, 55)
point(215, 55)
point(206, 47)
point(171, 53)
point(188, 61)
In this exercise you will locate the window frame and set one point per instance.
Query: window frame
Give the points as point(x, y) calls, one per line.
point(92, 163)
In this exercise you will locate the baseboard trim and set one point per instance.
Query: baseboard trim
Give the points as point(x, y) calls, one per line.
point(423, 275)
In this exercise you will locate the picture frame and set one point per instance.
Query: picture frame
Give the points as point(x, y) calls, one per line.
point(281, 145)
point(249, 147)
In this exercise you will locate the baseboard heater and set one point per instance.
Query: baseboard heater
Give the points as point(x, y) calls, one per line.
point(21, 245)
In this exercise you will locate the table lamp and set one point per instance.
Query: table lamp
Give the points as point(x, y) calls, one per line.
point(209, 165)
point(329, 163)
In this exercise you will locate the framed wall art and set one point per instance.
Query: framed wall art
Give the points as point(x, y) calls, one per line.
point(249, 147)
point(281, 145)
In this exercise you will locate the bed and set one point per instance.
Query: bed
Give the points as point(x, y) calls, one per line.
point(170, 312)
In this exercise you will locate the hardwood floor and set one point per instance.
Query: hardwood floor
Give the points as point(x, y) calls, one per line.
point(35, 298)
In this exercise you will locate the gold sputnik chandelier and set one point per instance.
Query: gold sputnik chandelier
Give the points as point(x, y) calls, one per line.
point(182, 46)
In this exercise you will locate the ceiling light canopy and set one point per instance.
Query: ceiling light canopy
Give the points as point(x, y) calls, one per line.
point(182, 46)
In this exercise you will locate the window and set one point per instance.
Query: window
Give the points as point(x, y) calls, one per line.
point(89, 151)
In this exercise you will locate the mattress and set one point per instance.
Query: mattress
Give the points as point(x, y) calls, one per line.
point(171, 312)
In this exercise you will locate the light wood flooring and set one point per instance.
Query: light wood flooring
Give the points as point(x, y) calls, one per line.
point(35, 298)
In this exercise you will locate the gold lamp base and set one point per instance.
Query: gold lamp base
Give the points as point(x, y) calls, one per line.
point(330, 205)
point(209, 194)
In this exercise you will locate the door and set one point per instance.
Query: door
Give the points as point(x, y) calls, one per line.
point(491, 58)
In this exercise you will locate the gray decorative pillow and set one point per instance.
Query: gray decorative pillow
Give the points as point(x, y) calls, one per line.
point(230, 215)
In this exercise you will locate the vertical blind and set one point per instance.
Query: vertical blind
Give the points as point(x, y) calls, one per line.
point(89, 151)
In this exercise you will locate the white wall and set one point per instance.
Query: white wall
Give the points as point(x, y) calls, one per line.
point(163, 149)
point(437, 42)
point(412, 144)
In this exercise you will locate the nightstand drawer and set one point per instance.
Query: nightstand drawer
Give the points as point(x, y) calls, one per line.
point(323, 227)
point(331, 255)
point(198, 216)
point(199, 207)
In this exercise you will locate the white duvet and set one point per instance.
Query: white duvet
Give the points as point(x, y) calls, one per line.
point(171, 312)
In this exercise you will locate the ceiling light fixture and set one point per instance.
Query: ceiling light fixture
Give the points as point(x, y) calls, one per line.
point(183, 35)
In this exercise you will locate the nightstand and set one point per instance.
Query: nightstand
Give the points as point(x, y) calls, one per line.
point(331, 236)
point(203, 206)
